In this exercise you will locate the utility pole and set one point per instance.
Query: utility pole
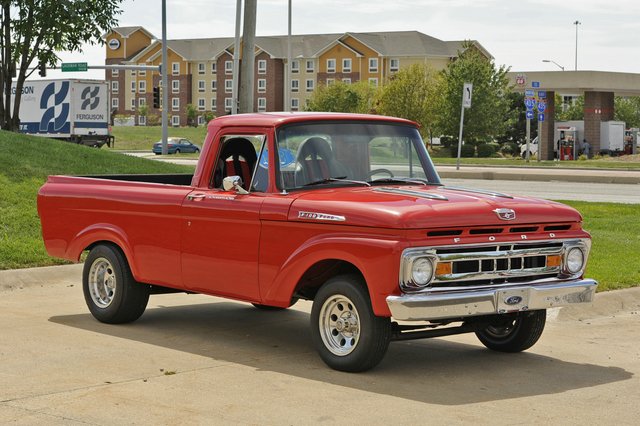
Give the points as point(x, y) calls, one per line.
point(165, 81)
point(287, 70)
point(576, 23)
point(236, 58)
point(248, 56)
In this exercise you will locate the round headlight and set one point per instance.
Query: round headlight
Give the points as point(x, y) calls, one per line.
point(422, 271)
point(575, 260)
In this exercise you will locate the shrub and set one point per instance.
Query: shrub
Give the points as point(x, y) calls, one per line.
point(485, 150)
point(448, 141)
point(467, 151)
point(510, 148)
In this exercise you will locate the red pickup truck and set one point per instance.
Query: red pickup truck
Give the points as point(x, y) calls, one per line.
point(342, 209)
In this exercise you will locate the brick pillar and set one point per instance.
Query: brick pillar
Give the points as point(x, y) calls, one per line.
point(546, 141)
point(598, 107)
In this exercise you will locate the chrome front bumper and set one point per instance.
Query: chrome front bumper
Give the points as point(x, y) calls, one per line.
point(456, 304)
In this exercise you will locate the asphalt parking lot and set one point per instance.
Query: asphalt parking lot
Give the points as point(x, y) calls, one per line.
point(194, 359)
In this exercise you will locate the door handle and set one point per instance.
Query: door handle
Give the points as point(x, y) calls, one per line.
point(195, 197)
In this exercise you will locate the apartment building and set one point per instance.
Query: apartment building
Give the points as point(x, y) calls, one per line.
point(201, 70)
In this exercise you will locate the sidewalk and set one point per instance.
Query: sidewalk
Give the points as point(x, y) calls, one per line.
point(544, 174)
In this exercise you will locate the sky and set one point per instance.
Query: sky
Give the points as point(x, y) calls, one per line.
point(520, 34)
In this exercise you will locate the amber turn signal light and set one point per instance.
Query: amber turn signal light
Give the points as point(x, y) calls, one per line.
point(443, 268)
point(553, 260)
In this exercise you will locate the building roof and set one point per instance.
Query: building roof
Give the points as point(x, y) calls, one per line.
point(127, 31)
point(394, 43)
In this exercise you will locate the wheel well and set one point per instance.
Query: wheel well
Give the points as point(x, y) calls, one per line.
point(319, 273)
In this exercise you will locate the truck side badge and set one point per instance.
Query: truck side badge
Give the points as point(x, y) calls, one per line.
point(505, 214)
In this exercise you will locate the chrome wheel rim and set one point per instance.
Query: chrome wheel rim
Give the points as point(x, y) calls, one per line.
point(339, 324)
point(102, 282)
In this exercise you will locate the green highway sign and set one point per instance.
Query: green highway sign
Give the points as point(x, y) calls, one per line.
point(74, 66)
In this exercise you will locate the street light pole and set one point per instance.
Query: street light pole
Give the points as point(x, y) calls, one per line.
point(576, 23)
point(287, 89)
point(554, 62)
point(165, 81)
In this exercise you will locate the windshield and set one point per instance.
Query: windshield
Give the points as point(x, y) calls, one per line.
point(331, 153)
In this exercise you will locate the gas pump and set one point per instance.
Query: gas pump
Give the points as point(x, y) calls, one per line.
point(567, 148)
point(630, 141)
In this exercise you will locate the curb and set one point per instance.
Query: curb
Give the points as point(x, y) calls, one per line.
point(606, 304)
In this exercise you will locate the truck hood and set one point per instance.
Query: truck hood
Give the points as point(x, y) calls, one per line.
point(419, 207)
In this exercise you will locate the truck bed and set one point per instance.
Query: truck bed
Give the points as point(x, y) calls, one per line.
point(182, 179)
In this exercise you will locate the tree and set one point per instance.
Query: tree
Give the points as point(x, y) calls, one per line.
point(517, 131)
point(342, 97)
point(192, 113)
point(490, 113)
point(412, 94)
point(627, 110)
point(34, 30)
point(569, 111)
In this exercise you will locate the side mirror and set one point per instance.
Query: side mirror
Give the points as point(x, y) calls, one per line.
point(233, 183)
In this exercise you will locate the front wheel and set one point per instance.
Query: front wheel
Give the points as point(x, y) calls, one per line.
point(112, 294)
point(346, 332)
point(513, 332)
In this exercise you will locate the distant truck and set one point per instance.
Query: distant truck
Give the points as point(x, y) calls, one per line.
point(73, 110)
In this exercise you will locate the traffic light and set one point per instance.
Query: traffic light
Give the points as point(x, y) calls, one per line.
point(156, 97)
point(42, 69)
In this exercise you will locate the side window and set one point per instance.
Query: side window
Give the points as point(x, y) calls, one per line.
point(239, 157)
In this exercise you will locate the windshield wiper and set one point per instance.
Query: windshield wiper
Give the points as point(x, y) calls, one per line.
point(420, 181)
point(336, 179)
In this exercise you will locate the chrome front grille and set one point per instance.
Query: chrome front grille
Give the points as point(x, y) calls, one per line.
point(490, 265)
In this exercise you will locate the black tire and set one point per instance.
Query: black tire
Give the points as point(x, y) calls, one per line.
point(177, 151)
point(196, 151)
point(514, 332)
point(110, 291)
point(333, 336)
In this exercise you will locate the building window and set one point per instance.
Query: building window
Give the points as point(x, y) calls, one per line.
point(331, 65)
point(346, 65)
point(201, 105)
point(228, 86)
point(214, 104)
point(200, 120)
point(133, 104)
point(133, 86)
point(262, 104)
point(394, 65)
point(295, 104)
point(175, 120)
point(114, 87)
point(214, 85)
point(142, 86)
point(142, 120)
point(175, 86)
point(228, 104)
point(142, 73)
point(228, 67)
point(346, 80)
point(201, 86)
point(262, 85)
point(373, 82)
point(115, 73)
point(310, 85)
point(373, 64)
point(214, 67)
point(330, 81)
point(295, 66)
point(142, 101)
point(262, 66)
point(310, 66)
point(175, 68)
point(295, 85)
point(133, 73)
point(175, 104)
point(200, 67)
point(115, 102)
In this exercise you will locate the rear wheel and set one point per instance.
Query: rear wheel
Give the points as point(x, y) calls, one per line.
point(345, 331)
point(110, 291)
point(513, 332)
point(177, 151)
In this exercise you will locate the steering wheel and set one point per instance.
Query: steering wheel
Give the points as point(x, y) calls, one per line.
point(376, 171)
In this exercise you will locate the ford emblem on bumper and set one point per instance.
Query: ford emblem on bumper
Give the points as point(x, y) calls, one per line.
point(512, 300)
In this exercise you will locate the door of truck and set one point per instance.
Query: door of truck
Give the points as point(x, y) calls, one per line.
point(221, 229)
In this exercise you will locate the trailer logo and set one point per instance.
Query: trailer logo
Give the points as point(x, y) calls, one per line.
point(55, 116)
point(90, 97)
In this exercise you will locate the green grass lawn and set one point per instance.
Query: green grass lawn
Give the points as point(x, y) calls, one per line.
point(142, 138)
point(26, 161)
